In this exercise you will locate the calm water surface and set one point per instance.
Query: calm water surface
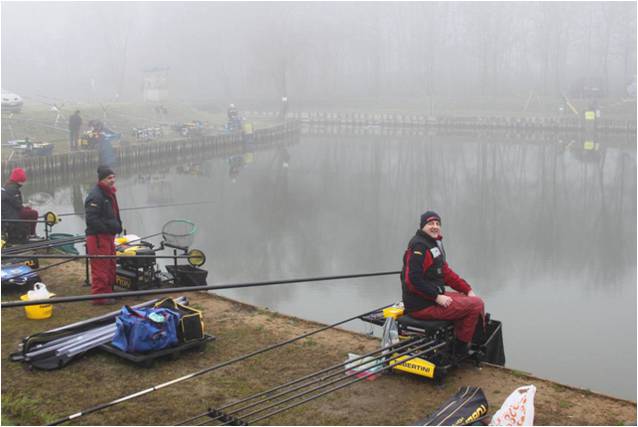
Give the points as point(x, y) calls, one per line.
point(544, 230)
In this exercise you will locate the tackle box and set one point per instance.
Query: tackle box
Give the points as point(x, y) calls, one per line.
point(135, 280)
point(146, 360)
point(191, 323)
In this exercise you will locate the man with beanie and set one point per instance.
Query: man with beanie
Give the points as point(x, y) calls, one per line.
point(14, 208)
point(102, 224)
point(424, 276)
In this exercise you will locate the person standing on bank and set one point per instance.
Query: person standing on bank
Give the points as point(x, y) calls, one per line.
point(424, 276)
point(14, 208)
point(102, 224)
point(75, 125)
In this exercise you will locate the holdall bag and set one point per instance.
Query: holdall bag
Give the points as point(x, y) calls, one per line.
point(145, 330)
point(191, 324)
point(467, 407)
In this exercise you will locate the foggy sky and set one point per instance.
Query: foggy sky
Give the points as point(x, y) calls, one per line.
point(219, 50)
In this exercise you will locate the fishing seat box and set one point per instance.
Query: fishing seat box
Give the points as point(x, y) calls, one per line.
point(188, 275)
point(191, 323)
point(135, 280)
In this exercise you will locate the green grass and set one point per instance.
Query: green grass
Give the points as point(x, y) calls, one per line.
point(26, 409)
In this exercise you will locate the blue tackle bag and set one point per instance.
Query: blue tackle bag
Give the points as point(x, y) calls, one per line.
point(145, 329)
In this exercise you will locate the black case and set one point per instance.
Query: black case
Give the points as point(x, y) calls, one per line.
point(467, 407)
point(191, 323)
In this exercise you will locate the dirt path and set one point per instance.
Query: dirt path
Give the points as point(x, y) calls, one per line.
point(36, 397)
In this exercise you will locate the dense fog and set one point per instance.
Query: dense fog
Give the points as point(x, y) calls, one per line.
point(328, 51)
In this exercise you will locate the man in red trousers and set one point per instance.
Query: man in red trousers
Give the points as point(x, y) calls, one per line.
point(424, 277)
point(102, 224)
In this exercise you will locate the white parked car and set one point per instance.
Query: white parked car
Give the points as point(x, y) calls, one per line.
point(11, 102)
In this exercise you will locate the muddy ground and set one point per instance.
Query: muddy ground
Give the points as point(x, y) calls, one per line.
point(38, 397)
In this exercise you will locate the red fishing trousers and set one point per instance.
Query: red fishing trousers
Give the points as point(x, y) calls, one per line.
point(463, 310)
point(102, 269)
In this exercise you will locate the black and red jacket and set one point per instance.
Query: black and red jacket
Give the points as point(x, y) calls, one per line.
point(425, 273)
point(102, 211)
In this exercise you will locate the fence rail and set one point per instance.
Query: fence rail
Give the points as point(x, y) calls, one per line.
point(567, 123)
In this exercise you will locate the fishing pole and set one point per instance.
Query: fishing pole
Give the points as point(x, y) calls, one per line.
point(81, 238)
point(313, 376)
point(205, 202)
point(410, 355)
point(417, 350)
point(46, 244)
point(77, 298)
point(117, 401)
point(65, 256)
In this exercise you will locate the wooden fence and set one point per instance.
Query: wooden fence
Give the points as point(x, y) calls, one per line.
point(148, 153)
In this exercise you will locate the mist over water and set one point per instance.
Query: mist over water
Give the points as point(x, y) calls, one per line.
point(545, 232)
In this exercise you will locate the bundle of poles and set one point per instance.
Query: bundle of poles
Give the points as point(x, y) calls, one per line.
point(265, 404)
point(137, 394)
point(71, 344)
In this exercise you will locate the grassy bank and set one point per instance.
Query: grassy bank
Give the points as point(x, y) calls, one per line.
point(36, 397)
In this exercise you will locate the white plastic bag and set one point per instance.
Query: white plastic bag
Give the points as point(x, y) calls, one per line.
point(39, 291)
point(368, 364)
point(518, 408)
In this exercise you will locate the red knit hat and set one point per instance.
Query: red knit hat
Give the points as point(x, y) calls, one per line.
point(18, 175)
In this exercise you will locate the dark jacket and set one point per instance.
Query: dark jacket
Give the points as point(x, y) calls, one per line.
point(11, 200)
point(75, 122)
point(426, 272)
point(102, 213)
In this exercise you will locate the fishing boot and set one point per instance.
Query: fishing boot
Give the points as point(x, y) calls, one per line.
point(460, 350)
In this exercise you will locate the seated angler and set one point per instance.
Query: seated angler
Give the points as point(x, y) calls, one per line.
point(424, 277)
point(14, 209)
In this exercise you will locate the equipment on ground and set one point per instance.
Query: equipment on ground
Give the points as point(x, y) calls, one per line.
point(55, 348)
point(17, 277)
point(190, 129)
point(467, 407)
point(141, 271)
point(92, 138)
point(147, 134)
point(200, 372)
point(29, 148)
point(486, 345)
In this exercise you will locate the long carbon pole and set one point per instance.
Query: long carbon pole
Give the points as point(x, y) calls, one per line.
point(359, 378)
point(206, 202)
point(421, 348)
point(205, 370)
point(61, 256)
point(314, 377)
point(67, 260)
point(77, 298)
point(45, 244)
point(59, 242)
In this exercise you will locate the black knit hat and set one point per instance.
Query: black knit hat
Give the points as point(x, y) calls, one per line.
point(103, 171)
point(429, 216)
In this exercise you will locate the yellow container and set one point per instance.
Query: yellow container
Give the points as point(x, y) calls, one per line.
point(394, 312)
point(37, 312)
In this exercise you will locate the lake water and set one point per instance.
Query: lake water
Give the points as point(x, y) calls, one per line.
point(544, 229)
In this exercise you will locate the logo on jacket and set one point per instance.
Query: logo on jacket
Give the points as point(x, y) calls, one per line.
point(435, 252)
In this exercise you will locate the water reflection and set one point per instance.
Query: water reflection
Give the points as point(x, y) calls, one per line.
point(544, 228)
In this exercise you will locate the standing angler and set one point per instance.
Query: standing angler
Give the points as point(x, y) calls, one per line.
point(75, 125)
point(102, 224)
point(424, 277)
